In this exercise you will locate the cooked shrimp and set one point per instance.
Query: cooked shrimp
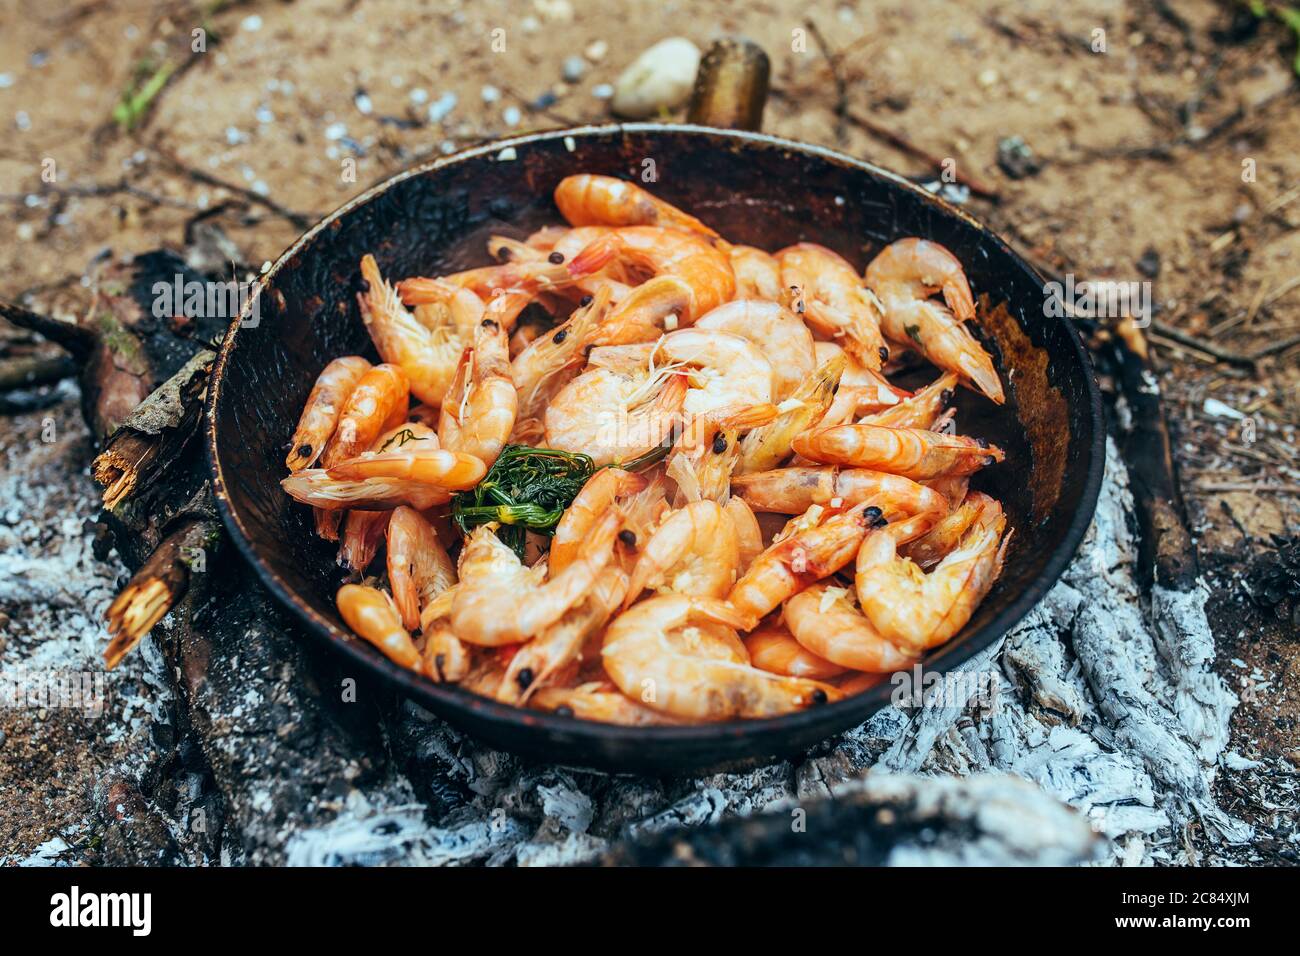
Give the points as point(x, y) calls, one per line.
point(919, 611)
point(586, 254)
point(862, 390)
point(921, 410)
point(777, 332)
point(725, 368)
point(492, 578)
point(651, 653)
point(426, 347)
point(315, 487)
point(479, 413)
point(671, 252)
point(601, 701)
point(828, 293)
point(707, 451)
point(379, 402)
point(359, 538)
point(320, 416)
point(589, 200)
point(643, 511)
point(903, 277)
point(445, 658)
point(372, 615)
point(547, 356)
point(817, 550)
point(910, 452)
point(559, 646)
point(363, 530)
point(447, 470)
point(749, 535)
point(614, 417)
point(825, 621)
point(766, 447)
point(773, 648)
point(930, 548)
point(758, 274)
point(694, 552)
point(602, 490)
point(645, 312)
point(419, 568)
point(796, 489)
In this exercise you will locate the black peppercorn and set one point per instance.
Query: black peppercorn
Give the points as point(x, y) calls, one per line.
point(555, 258)
point(719, 444)
point(524, 678)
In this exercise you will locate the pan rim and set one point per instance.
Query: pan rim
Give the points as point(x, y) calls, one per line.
point(853, 710)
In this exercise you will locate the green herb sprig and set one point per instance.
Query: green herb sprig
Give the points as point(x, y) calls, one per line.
point(527, 489)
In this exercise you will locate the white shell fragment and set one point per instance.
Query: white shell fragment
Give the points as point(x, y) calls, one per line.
point(660, 78)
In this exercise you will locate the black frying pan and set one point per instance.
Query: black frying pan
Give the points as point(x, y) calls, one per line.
point(755, 189)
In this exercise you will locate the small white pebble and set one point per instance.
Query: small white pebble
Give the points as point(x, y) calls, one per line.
point(251, 24)
point(336, 131)
point(441, 108)
point(22, 120)
point(261, 188)
point(264, 114)
point(419, 96)
point(507, 155)
point(365, 106)
point(511, 116)
point(447, 148)
point(596, 50)
point(266, 267)
point(569, 144)
point(6, 80)
point(602, 91)
point(490, 94)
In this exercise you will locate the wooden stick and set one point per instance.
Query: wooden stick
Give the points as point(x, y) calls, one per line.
point(155, 434)
point(32, 370)
point(158, 585)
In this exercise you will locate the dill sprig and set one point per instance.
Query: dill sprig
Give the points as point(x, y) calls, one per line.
point(527, 489)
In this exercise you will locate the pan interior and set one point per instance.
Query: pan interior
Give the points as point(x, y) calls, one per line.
point(753, 190)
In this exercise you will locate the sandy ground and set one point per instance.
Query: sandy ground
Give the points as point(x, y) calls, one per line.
point(1172, 155)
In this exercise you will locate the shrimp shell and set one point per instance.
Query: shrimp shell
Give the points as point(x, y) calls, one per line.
point(910, 452)
point(651, 652)
point(320, 415)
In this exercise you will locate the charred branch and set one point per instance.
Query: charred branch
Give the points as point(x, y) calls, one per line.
point(148, 443)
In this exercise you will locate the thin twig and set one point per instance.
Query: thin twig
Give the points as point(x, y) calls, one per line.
point(841, 107)
point(1256, 488)
point(903, 144)
point(1200, 345)
point(301, 220)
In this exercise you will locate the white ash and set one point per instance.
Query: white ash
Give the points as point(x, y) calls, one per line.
point(54, 593)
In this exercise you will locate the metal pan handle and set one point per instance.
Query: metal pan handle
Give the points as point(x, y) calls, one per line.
point(731, 86)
